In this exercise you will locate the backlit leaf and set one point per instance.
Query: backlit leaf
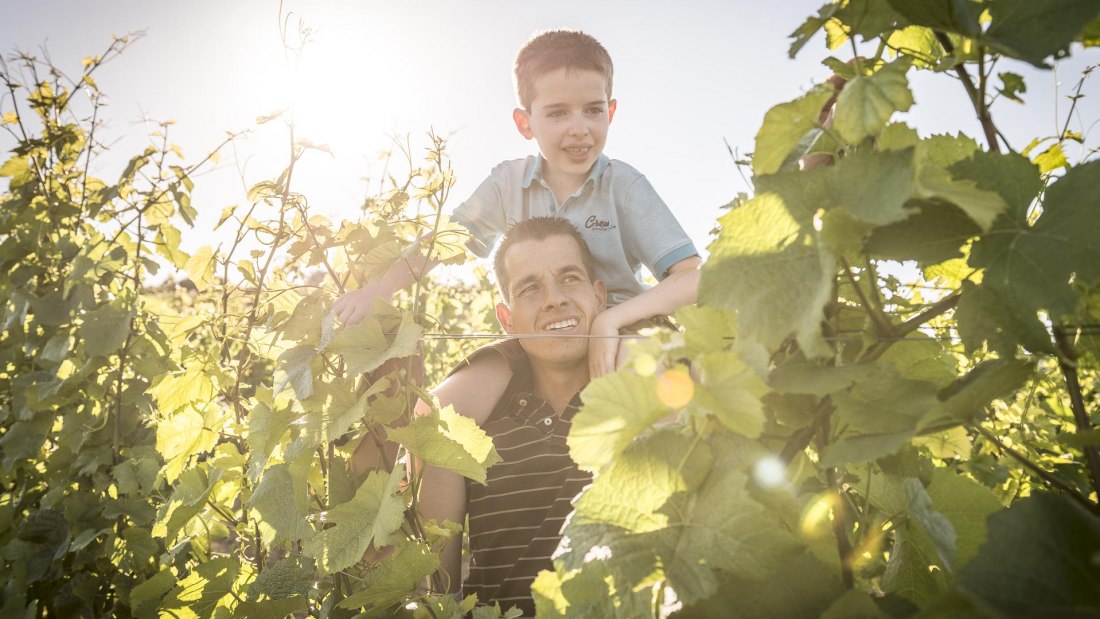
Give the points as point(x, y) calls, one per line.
point(784, 126)
point(365, 347)
point(617, 407)
point(282, 502)
point(450, 441)
point(769, 265)
point(375, 512)
point(867, 103)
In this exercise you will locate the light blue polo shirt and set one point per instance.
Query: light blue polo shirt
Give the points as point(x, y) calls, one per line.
point(619, 214)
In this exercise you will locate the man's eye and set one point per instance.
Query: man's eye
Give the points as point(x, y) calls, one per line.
point(570, 279)
point(526, 290)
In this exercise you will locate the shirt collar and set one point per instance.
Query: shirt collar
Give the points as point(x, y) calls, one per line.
point(534, 170)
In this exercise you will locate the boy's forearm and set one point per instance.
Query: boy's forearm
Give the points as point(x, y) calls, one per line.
point(405, 271)
point(680, 288)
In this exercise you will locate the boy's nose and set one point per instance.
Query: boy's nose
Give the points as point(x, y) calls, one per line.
point(578, 127)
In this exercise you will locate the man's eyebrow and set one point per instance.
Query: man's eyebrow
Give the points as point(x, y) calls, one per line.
point(571, 268)
point(523, 281)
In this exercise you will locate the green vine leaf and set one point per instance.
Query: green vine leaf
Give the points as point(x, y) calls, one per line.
point(1034, 31)
point(376, 511)
point(958, 16)
point(365, 346)
point(389, 582)
point(1028, 268)
point(282, 502)
point(617, 407)
point(183, 435)
point(769, 266)
point(937, 526)
point(1052, 540)
point(450, 441)
point(785, 125)
point(867, 103)
point(105, 329)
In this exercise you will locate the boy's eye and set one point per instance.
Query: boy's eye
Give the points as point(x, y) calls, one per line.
point(595, 111)
point(556, 113)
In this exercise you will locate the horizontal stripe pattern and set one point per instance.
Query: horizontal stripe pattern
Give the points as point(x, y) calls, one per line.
point(517, 516)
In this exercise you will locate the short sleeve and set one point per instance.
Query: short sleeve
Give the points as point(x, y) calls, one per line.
point(651, 232)
point(483, 217)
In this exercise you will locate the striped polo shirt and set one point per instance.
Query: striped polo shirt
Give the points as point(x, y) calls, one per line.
point(517, 517)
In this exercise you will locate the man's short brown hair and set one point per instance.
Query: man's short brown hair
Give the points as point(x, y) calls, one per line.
point(555, 49)
point(538, 229)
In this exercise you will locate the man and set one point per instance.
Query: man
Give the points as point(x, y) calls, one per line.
point(544, 270)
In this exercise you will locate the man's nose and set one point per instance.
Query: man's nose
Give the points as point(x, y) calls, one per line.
point(555, 297)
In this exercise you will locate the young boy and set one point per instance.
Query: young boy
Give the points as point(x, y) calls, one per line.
point(563, 82)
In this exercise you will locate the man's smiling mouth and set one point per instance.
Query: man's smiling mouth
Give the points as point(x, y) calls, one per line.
point(561, 324)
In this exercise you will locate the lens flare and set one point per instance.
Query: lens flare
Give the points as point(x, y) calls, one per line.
point(675, 388)
point(770, 473)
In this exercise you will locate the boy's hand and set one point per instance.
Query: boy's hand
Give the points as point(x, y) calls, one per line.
point(603, 351)
point(356, 305)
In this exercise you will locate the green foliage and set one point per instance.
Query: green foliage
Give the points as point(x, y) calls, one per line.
point(820, 439)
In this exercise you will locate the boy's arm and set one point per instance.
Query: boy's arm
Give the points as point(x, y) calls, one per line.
point(356, 305)
point(680, 288)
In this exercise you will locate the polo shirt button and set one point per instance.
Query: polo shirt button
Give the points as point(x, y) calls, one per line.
point(523, 402)
point(548, 421)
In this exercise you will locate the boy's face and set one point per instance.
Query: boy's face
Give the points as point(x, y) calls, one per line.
point(569, 117)
point(550, 293)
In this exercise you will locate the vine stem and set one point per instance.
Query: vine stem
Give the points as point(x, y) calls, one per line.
point(1043, 474)
point(840, 519)
point(882, 324)
point(1067, 361)
point(977, 96)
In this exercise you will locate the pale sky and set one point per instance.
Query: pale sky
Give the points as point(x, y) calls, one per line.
point(687, 76)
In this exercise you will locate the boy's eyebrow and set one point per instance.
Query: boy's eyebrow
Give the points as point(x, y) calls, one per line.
point(590, 103)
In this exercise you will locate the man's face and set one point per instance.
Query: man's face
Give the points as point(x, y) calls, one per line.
point(551, 293)
point(569, 118)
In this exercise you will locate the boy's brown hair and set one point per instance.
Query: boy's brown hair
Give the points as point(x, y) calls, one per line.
point(554, 49)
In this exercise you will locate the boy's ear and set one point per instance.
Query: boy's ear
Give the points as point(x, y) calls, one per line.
point(523, 122)
point(504, 317)
point(612, 105)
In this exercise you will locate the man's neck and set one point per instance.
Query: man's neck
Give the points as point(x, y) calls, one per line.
point(557, 385)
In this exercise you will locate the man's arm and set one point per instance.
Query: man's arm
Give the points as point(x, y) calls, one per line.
point(680, 288)
point(443, 492)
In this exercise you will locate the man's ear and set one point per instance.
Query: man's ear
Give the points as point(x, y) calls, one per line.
point(612, 105)
point(504, 317)
point(601, 294)
point(523, 122)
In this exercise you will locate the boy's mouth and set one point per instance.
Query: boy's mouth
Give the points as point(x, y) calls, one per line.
point(577, 151)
